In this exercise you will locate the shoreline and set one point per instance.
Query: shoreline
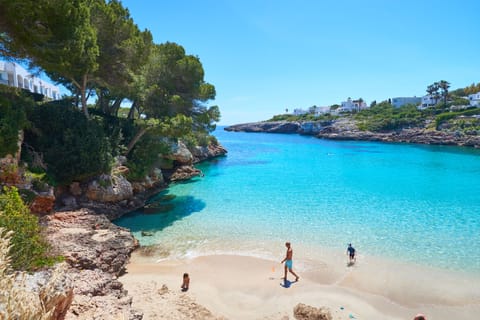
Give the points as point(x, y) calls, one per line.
point(244, 287)
point(331, 131)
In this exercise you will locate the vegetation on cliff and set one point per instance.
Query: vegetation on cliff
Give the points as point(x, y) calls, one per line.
point(29, 250)
point(452, 113)
point(147, 94)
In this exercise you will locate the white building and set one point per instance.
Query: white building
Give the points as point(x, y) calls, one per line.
point(401, 101)
point(352, 105)
point(474, 99)
point(428, 101)
point(299, 112)
point(12, 74)
point(322, 110)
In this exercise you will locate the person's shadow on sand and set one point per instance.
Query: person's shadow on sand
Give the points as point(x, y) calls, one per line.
point(287, 283)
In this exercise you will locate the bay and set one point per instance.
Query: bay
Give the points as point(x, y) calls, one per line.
point(403, 202)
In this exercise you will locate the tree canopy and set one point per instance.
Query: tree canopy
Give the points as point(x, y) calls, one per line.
point(95, 47)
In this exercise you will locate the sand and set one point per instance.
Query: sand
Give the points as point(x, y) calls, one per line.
point(242, 287)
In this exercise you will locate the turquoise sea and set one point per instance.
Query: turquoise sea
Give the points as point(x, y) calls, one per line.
point(402, 202)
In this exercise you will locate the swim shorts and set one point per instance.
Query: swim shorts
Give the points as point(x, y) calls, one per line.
point(289, 264)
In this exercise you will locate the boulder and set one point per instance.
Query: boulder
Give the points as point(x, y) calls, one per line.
point(185, 173)
point(306, 312)
point(42, 204)
point(76, 189)
point(208, 152)
point(180, 153)
point(54, 288)
point(109, 188)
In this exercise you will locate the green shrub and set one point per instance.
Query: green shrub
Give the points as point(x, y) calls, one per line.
point(145, 155)
point(384, 117)
point(12, 118)
point(73, 147)
point(29, 250)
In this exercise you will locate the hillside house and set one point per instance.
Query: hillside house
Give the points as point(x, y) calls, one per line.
point(474, 99)
point(352, 105)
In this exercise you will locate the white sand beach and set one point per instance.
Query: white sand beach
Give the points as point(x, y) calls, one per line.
point(240, 287)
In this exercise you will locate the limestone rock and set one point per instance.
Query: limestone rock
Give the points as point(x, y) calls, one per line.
point(90, 241)
point(185, 173)
point(180, 153)
point(43, 202)
point(305, 312)
point(96, 252)
point(54, 287)
point(267, 126)
point(108, 188)
point(76, 189)
point(208, 152)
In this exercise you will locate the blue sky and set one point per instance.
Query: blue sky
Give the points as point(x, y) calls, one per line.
point(265, 56)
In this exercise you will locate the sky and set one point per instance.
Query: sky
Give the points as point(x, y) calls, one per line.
point(266, 56)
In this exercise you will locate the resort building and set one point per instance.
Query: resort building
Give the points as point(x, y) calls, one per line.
point(474, 99)
point(12, 74)
point(428, 101)
point(401, 101)
point(352, 105)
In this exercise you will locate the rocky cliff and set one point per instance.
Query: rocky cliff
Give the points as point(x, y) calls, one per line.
point(96, 252)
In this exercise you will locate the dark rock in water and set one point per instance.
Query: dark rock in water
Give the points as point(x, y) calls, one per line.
point(146, 233)
point(157, 208)
point(167, 197)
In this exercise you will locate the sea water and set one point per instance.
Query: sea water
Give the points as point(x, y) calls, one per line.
point(413, 203)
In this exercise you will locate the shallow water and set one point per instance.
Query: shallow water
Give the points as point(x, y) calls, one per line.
point(411, 203)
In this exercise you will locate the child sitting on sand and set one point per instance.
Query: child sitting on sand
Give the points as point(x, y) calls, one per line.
point(186, 282)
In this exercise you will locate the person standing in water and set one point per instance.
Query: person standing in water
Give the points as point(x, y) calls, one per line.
point(351, 253)
point(289, 262)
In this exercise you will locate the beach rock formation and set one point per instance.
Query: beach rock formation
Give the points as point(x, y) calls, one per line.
point(305, 312)
point(96, 252)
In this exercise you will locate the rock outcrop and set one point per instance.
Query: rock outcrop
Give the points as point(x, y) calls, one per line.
point(420, 136)
point(184, 158)
point(208, 152)
point(96, 252)
point(180, 154)
point(109, 188)
point(268, 126)
point(305, 312)
point(54, 287)
point(346, 129)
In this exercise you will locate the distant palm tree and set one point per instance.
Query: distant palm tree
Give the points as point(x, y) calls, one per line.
point(444, 85)
point(432, 90)
point(286, 110)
